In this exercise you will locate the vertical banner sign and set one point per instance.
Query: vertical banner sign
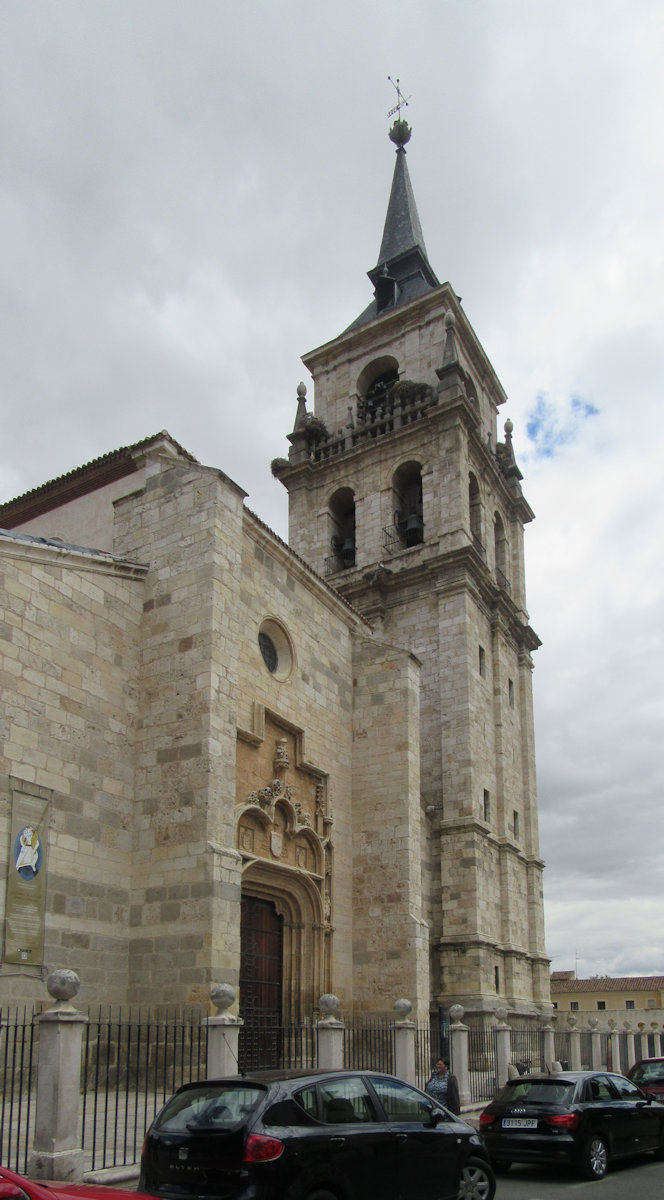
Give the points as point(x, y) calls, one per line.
point(26, 879)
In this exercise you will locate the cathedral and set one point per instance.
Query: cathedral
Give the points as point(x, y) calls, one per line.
point(299, 768)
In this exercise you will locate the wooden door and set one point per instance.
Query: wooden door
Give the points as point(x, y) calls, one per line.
point(261, 964)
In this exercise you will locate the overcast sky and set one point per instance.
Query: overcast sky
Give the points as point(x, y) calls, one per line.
point(190, 196)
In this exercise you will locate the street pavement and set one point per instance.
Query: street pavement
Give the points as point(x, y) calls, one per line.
point(638, 1179)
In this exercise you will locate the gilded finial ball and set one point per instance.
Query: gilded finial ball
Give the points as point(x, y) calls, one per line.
point(508, 427)
point(400, 133)
point(302, 389)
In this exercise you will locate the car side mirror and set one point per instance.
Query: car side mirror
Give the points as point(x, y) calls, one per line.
point(435, 1117)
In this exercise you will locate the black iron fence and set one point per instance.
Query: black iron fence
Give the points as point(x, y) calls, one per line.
point(18, 1076)
point(265, 1041)
point(132, 1061)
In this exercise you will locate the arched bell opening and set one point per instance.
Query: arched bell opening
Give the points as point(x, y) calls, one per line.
point(342, 530)
point(407, 507)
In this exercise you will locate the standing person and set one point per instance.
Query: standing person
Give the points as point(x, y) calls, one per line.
point(443, 1087)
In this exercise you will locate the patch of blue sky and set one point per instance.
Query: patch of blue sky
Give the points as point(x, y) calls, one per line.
point(550, 428)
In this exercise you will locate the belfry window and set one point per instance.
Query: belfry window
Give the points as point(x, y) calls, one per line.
point(374, 388)
point(408, 518)
point(342, 532)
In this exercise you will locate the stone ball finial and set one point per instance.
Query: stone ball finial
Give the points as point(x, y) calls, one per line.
point(63, 984)
point(571, 1021)
point(329, 1005)
point(302, 390)
point(222, 996)
point(403, 1008)
point(501, 1015)
point(457, 1013)
point(593, 1022)
point(508, 427)
point(627, 1025)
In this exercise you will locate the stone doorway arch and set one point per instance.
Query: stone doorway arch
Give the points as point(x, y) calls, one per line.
point(304, 951)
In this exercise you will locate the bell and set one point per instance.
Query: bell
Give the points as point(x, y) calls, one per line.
point(348, 552)
point(414, 526)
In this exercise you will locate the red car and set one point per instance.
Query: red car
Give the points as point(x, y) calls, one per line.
point(648, 1074)
point(17, 1187)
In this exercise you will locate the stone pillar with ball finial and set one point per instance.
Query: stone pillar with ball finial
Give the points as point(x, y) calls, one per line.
point(548, 1039)
point(595, 1044)
point(404, 1042)
point(330, 1035)
point(574, 1043)
point(223, 1033)
point(459, 1052)
point(503, 1035)
point(57, 1152)
point(629, 1043)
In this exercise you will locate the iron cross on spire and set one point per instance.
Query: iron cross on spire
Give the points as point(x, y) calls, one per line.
point(402, 101)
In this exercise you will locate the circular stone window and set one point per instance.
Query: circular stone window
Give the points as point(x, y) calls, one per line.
point(276, 650)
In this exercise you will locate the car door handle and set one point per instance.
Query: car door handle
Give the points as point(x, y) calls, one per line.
point(401, 1137)
point(337, 1141)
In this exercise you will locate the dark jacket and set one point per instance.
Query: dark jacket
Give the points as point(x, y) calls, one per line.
point(452, 1100)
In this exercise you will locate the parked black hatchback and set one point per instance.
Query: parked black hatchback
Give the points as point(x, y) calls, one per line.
point(587, 1118)
point(311, 1136)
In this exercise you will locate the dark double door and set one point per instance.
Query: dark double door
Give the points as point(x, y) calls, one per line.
point(261, 982)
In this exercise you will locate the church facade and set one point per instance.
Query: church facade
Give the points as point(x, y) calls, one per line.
point(295, 768)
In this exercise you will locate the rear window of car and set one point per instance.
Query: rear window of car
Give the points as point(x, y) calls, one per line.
point(539, 1091)
point(648, 1072)
point(209, 1109)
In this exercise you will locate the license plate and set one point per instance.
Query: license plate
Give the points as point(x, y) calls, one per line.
point(519, 1123)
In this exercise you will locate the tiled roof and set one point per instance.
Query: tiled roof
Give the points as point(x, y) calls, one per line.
point(628, 983)
point(114, 465)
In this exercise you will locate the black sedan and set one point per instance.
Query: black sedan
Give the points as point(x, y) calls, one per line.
point(586, 1118)
point(320, 1135)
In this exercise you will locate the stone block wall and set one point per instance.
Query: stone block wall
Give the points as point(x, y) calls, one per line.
point(69, 678)
point(390, 933)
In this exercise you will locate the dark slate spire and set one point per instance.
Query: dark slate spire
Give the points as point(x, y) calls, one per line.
point(403, 271)
point(402, 224)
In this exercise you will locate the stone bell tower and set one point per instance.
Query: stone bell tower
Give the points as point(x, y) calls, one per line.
point(402, 496)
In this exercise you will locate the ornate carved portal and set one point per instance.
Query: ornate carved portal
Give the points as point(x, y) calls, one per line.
point(283, 835)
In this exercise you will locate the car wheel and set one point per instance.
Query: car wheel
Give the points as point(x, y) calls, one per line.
point(477, 1181)
point(321, 1194)
point(594, 1160)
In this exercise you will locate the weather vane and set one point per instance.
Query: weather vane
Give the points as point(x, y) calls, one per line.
point(402, 101)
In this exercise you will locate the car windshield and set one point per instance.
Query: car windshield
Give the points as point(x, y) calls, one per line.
point(209, 1108)
point(648, 1072)
point(538, 1091)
